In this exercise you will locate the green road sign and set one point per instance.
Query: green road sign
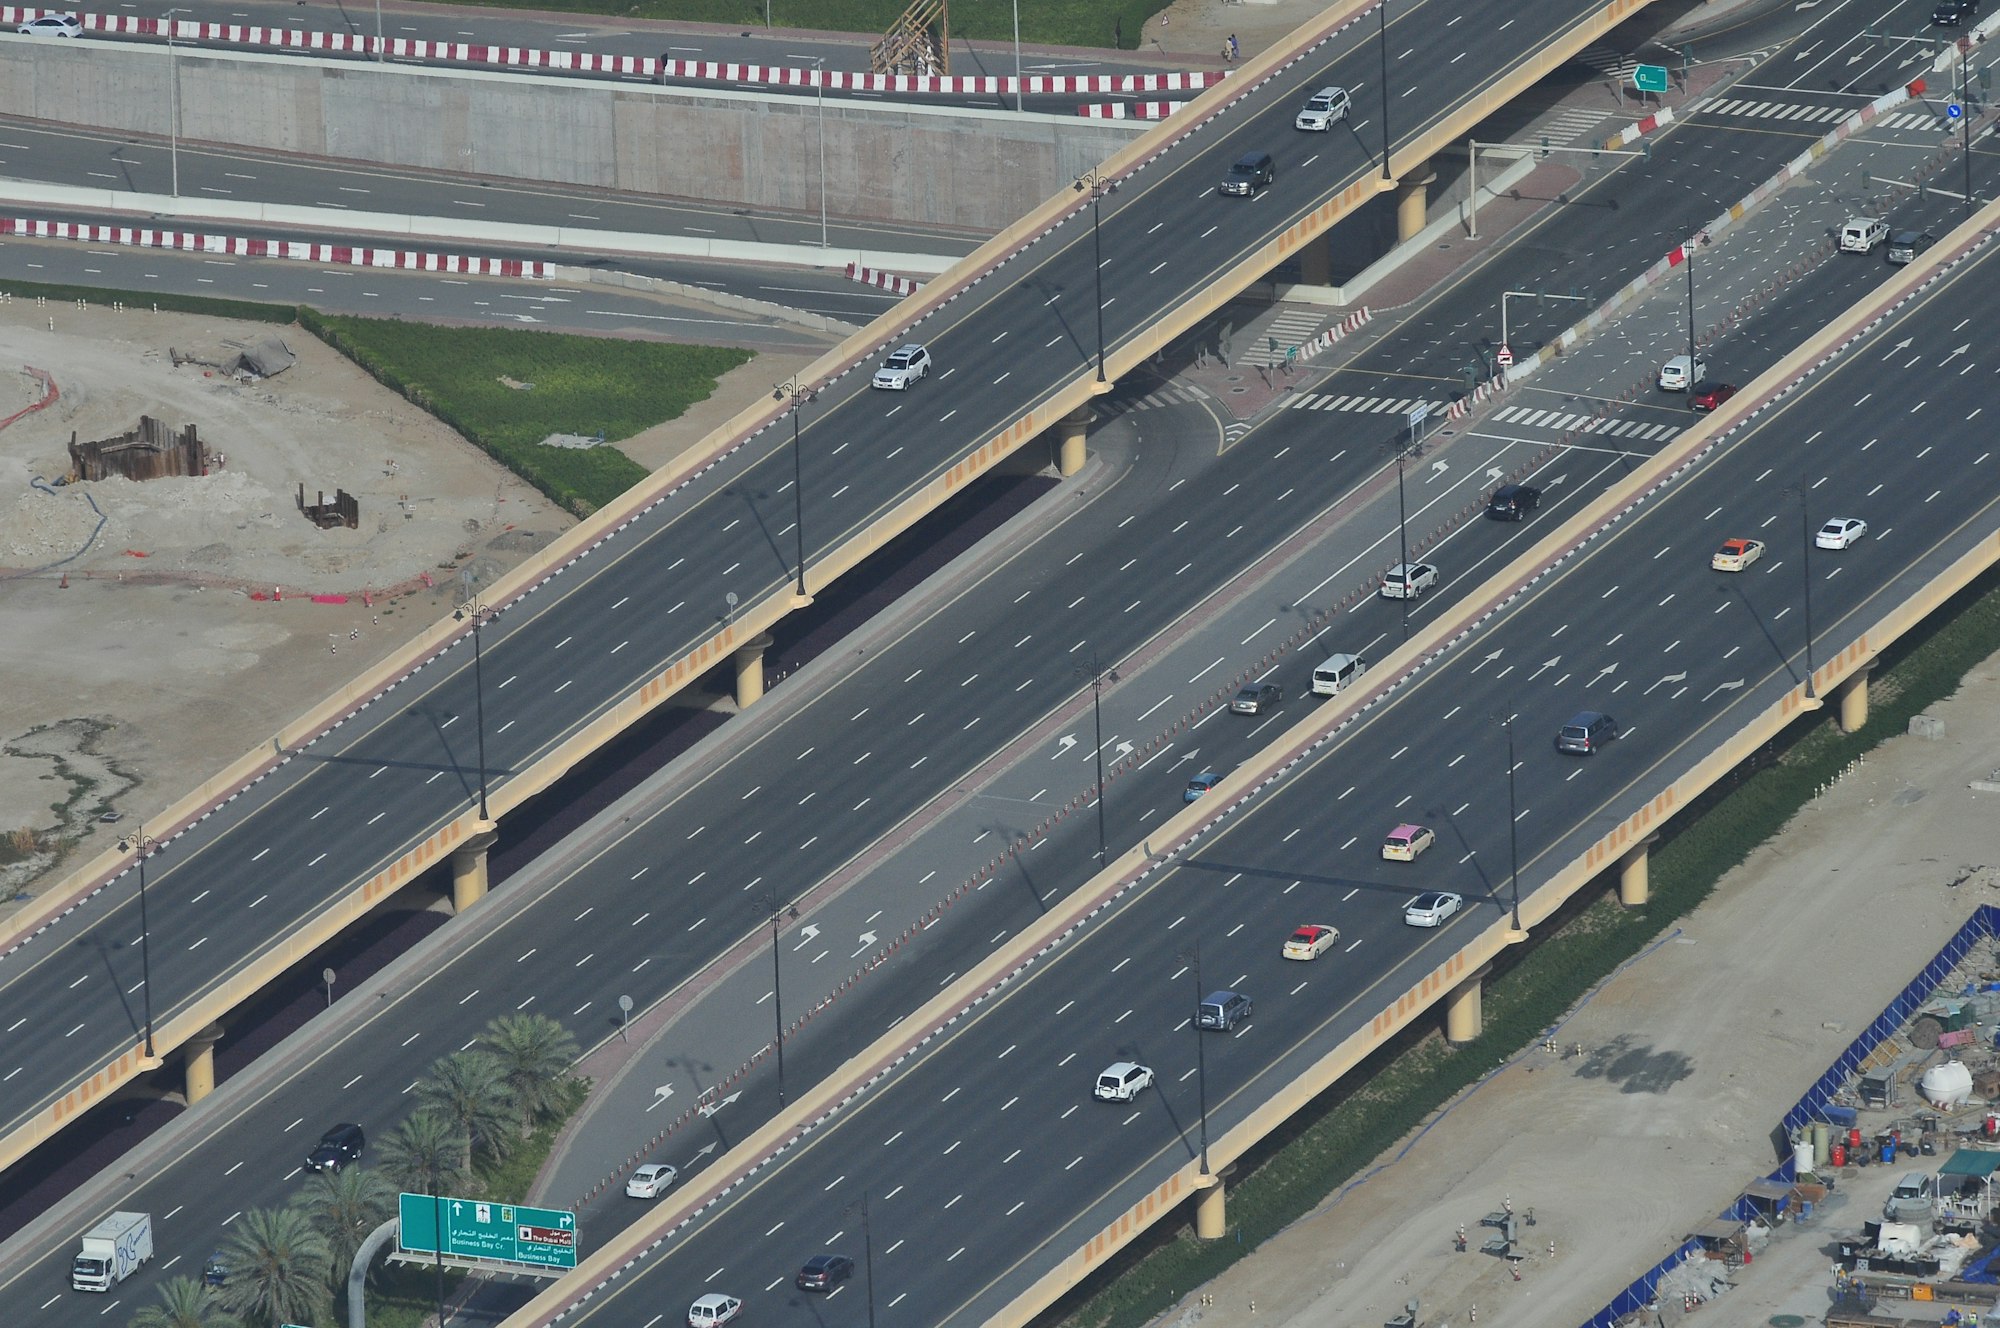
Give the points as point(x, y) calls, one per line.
point(1650, 78)
point(478, 1229)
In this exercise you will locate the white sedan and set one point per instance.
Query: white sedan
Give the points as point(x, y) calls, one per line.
point(1840, 532)
point(1311, 941)
point(651, 1181)
point(1431, 908)
point(52, 25)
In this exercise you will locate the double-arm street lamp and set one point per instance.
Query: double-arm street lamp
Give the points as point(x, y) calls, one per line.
point(1515, 932)
point(778, 915)
point(145, 845)
point(1803, 490)
point(478, 614)
point(1098, 187)
point(799, 395)
point(1192, 958)
point(1098, 677)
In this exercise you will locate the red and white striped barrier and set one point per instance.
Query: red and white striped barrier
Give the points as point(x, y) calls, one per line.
point(1659, 119)
point(1034, 85)
point(887, 281)
point(1332, 334)
point(630, 66)
point(302, 251)
point(1138, 110)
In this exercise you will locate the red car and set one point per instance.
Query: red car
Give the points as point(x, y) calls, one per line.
point(1708, 394)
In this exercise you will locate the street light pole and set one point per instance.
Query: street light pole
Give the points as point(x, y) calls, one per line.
point(478, 613)
point(1403, 536)
point(778, 998)
point(1382, 27)
point(819, 84)
point(1097, 679)
point(1017, 57)
point(173, 106)
point(145, 844)
point(1513, 834)
point(799, 396)
point(1687, 261)
point(1193, 956)
point(868, 1256)
point(1805, 562)
point(1098, 187)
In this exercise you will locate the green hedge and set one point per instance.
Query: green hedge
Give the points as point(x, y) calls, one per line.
point(580, 385)
point(1353, 1124)
point(98, 297)
point(1044, 22)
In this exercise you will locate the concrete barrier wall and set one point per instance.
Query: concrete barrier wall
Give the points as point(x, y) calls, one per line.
point(907, 163)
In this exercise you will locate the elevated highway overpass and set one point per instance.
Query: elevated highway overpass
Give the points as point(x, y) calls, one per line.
point(362, 796)
point(968, 1133)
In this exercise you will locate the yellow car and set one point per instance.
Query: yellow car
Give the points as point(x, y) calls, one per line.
point(1736, 555)
point(1405, 842)
point(1311, 941)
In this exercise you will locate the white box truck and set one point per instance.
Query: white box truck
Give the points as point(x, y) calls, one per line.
point(112, 1251)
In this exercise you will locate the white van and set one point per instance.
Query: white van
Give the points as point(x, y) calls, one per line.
point(1334, 676)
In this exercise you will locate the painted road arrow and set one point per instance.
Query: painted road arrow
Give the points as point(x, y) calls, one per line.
point(1489, 659)
point(1671, 677)
point(1723, 687)
point(1546, 666)
point(1063, 744)
point(710, 1108)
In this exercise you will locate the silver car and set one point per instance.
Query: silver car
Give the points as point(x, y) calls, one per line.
point(52, 25)
point(908, 364)
point(1327, 108)
point(1431, 908)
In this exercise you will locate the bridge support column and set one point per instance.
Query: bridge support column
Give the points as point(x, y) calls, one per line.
point(1635, 885)
point(750, 672)
point(1069, 441)
point(468, 867)
point(1316, 263)
point(1853, 696)
point(1464, 1014)
point(1211, 1221)
point(198, 1055)
point(1412, 199)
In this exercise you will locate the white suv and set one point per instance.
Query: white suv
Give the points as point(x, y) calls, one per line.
point(1327, 107)
point(1408, 580)
point(907, 365)
point(1122, 1081)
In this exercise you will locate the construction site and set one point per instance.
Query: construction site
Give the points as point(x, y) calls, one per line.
point(204, 527)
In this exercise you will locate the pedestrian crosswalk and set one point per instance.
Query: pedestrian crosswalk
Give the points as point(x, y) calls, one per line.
point(1567, 125)
point(1604, 60)
point(1797, 113)
point(1170, 394)
point(1292, 327)
point(1560, 421)
point(1361, 405)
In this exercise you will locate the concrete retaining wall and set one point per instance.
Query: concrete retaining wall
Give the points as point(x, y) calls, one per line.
point(908, 163)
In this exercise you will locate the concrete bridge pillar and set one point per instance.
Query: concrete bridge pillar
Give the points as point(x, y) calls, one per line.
point(1464, 1014)
point(1635, 886)
point(1853, 697)
point(1211, 1222)
point(1412, 199)
point(750, 672)
point(198, 1056)
point(1316, 262)
point(468, 867)
point(1069, 441)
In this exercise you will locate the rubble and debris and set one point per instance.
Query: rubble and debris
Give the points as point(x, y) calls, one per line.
point(344, 510)
point(151, 451)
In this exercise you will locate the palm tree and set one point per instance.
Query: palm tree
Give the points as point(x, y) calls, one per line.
point(184, 1303)
point(535, 1054)
point(344, 1206)
point(424, 1154)
point(469, 1088)
point(277, 1269)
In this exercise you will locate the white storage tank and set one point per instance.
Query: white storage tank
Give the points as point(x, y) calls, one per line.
point(1946, 1086)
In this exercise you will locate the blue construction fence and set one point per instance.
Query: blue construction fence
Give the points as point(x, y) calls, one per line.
point(1817, 1103)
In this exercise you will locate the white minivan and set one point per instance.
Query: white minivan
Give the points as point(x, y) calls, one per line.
point(1337, 673)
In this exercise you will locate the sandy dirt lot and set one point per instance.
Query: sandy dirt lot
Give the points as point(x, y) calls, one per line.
point(1692, 1053)
point(137, 660)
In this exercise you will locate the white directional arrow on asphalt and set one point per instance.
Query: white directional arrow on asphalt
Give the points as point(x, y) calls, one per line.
point(1063, 744)
point(710, 1108)
point(1494, 472)
point(704, 1150)
point(1899, 347)
point(1962, 350)
point(868, 938)
point(1723, 687)
point(1559, 479)
point(806, 935)
point(1606, 670)
point(1438, 468)
point(1547, 664)
point(1124, 749)
point(1671, 677)
point(661, 1094)
point(1489, 659)
point(1187, 756)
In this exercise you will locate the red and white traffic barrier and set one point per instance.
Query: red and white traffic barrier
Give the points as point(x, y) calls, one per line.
point(1659, 119)
point(299, 250)
point(1035, 85)
point(1138, 110)
point(887, 281)
point(1331, 335)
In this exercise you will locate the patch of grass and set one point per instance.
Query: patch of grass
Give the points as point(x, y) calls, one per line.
point(98, 297)
point(1352, 1124)
point(581, 385)
point(1044, 22)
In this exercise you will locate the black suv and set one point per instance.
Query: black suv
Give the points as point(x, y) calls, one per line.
point(824, 1272)
point(1252, 171)
point(1513, 502)
point(336, 1148)
point(1951, 13)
